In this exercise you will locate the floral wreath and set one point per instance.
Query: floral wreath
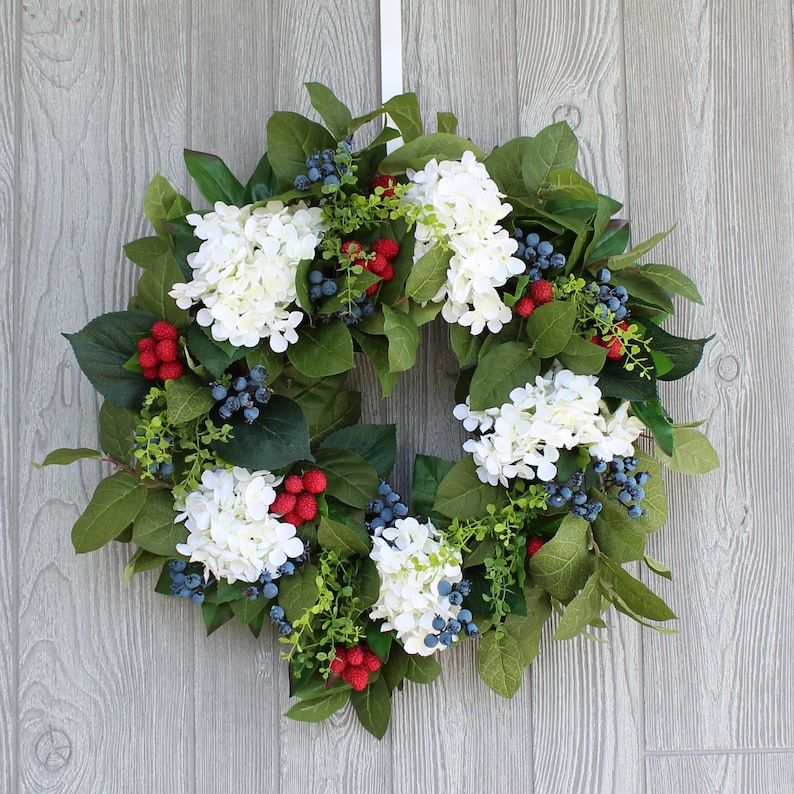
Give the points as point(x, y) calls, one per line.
point(243, 473)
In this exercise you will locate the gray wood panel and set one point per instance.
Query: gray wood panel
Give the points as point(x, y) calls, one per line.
point(709, 148)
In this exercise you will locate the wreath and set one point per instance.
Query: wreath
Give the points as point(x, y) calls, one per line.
point(241, 469)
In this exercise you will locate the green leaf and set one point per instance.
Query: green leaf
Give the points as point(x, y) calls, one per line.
point(652, 415)
point(393, 672)
point(161, 272)
point(250, 613)
point(278, 437)
point(291, 138)
point(373, 707)
point(116, 431)
point(142, 561)
point(214, 179)
point(465, 344)
point(582, 357)
point(614, 381)
point(147, 252)
point(262, 184)
point(673, 280)
point(344, 412)
point(114, 505)
point(621, 261)
point(153, 529)
point(655, 502)
point(619, 537)
point(582, 609)
point(500, 663)
point(319, 709)
point(215, 615)
point(503, 368)
point(568, 182)
point(527, 631)
point(377, 444)
point(550, 327)
point(422, 669)
point(376, 348)
point(645, 289)
point(447, 122)
point(429, 274)
point(187, 398)
point(428, 473)
point(563, 564)
point(405, 113)
point(217, 357)
point(403, 337)
point(368, 582)
point(693, 453)
point(336, 536)
point(461, 494)
point(65, 456)
point(634, 593)
point(420, 151)
point(350, 478)
point(324, 350)
point(504, 166)
point(102, 349)
point(553, 147)
point(298, 593)
point(684, 354)
point(333, 112)
point(610, 237)
point(379, 641)
point(659, 568)
point(315, 396)
point(162, 203)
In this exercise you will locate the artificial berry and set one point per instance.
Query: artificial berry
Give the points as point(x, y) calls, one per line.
point(372, 289)
point(293, 484)
point(357, 677)
point(355, 656)
point(596, 339)
point(386, 247)
point(314, 481)
point(283, 503)
point(151, 374)
point(340, 661)
point(147, 344)
point(170, 370)
point(371, 661)
point(306, 506)
point(541, 291)
point(386, 182)
point(615, 349)
point(378, 265)
point(167, 350)
point(351, 248)
point(534, 546)
point(293, 518)
point(162, 330)
point(148, 359)
point(525, 306)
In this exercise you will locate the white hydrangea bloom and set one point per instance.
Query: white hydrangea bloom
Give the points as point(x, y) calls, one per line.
point(561, 410)
point(244, 272)
point(412, 558)
point(231, 531)
point(461, 205)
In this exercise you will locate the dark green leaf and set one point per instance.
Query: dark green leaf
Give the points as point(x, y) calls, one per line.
point(393, 672)
point(428, 473)
point(142, 561)
point(215, 615)
point(324, 350)
point(634, 593)
point(685, 354)
point(154, 285)
point(461, 494)
point(500, 663)
point(405, 113)
point(379, 641)
point(564, 563)
point(651, 414)
point(503, 368)
point(611, 241)
point(422, 669)
point(319, 709)
point(550, 327)
point(673, 280)
point(446, 122)
point(620, 261)
point(582, 357)
point(153, 528)
point(368, 582)
point(262, 184)
point(373, 707)
point(162, 203)
point(250, 612)
point(214, 179)
point(614, 381)
point(429, 274)
point(568, 183)
point(377, 444)
point(333, 112)
point(465, 344)
point(344, 412)
point(618, 536)
point(187, 398)
point(65, 456)
point(504, 166)
point(335, 536)
point(350, 478)
point(376, 348)
point(217, 357)
point(147, 252)
point(298, 593)
point(420, 151)
point(403, 337)
point(315, 396)
point(553, 147)
point(582, 609)
point(527, 631)
point(291, 138)
point(116, 431)
point(644, 288)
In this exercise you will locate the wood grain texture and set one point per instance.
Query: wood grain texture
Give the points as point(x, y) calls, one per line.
point(98, 706)
point(8, 452)
point(724, 773)
point(702, 154)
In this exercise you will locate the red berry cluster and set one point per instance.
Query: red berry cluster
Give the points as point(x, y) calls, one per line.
point(534, 546)
point(355, 664)
point(384, 250)
point(386, 182)
point(541, 291)
point(298, 501)
point(525, 306)
point(158, 353)
point(611, 342)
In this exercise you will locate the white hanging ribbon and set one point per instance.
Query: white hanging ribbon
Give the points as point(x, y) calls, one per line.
point(391, 57)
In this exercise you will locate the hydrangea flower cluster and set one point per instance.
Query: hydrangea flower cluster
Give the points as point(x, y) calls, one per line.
point(523, 437)
point(244, 271)
point(412, 561)
point(232, 531)
point(460, 205)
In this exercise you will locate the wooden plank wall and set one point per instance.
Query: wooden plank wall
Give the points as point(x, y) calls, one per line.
point(684, 110)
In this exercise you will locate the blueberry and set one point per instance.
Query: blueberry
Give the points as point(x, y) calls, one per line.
point(377, 523)
point(384, 489)
point(314, 174)
point(302, 182)
point(400, 510)
point(545, 248)
point(642, 478)
point(225, 412)
point(556, 501)
point(455, 598)
point(328, 155)
point(565, 492)
point(178, 578)
point(284, 629)
point(625, 497)
point(599, 466)
point(613, 304)
point(276, 613)
point(219, 392)
point(197, 597)
point(251, 593)
point(580, 498)
point(620, 313)
point(258, 373)
point(166, 470)
point(464, 615)
point(518, 233)
point(454, 626)
point(444, 587)
point(331, 179)
point(470, 629)
point(251, 414)
point(438, 623)
point(327, 169)
point(177, 566)
point(315, 292)
point(635, 511)
point(445, 638)
point(463, 587)
point(387, 514)
point(557, 260)
point(520, 249)
point(287, 569)
point(431, 641)
point(233, 403)
point(312, 161)
point(603, 276)
point(329, 287)
point(270, 590)
point(532, 240)
point(262, 395)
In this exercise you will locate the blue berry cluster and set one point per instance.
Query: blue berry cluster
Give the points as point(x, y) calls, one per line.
point(186, 581)
point(277, 616)
point(446, 631)
point(538, 254)
point(621, 474)
point(608, 299)
point(386, 509)
point(247, 395)
point(326, 167)
point(265, 586)
point(320, 286)
point(573, 491)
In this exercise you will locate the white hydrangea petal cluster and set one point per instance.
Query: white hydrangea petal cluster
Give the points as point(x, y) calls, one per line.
point(461, 205)
point(244, 271)
point(232, 532)
point(561, 410)
point(412, 558)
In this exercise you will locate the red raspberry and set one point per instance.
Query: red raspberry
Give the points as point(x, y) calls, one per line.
point(357, 677)
point(378, 265)
point(148, 359)
point(314, 481)
point(293, 484)
point(351, 248)
point(293, 518)
point(151, 374)
point(306, 506)
point(355, 656)
point(534, 546)
point(162, 330)
point(340, 661)
point(524, 307)
point(371, 662)
point(615, 349)
point(167, 350)
point(147, 344)
point(388, 273)
point(541, 292)
point(170, 370)
point(362, 263)
point(372, 289)
point(596, 340)
point(283, 503)
point(387, 247)
point(386, 182)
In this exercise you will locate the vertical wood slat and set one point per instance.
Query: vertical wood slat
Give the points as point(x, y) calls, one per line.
point(98, 708)
point(8, 452)
point(707, 149)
